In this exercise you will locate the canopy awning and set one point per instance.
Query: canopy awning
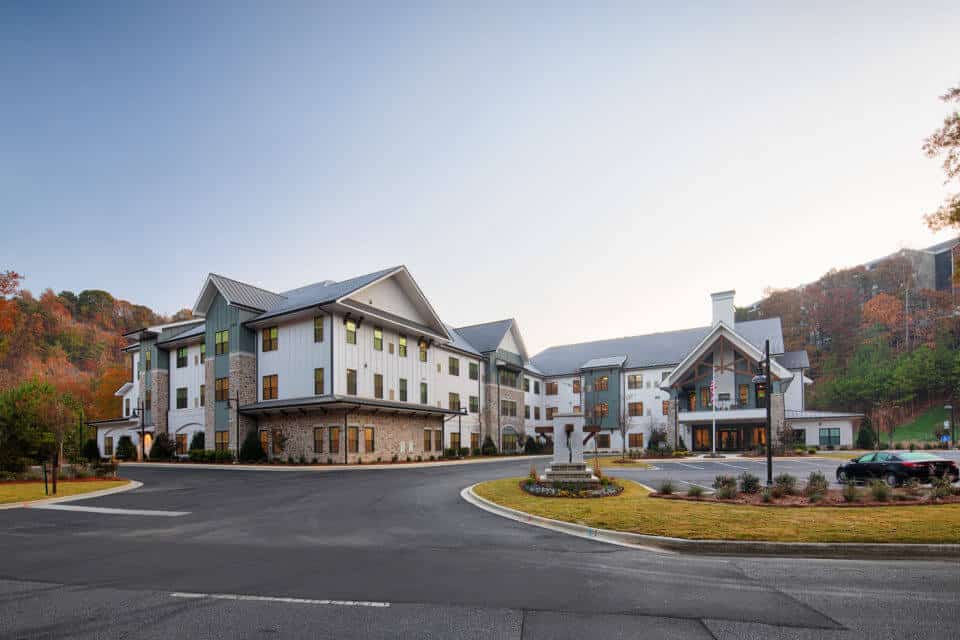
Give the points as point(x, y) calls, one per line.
point(325, 403)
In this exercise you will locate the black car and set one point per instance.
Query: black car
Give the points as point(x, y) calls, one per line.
point(895, 468)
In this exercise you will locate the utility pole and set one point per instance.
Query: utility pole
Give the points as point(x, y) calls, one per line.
point(768, 394)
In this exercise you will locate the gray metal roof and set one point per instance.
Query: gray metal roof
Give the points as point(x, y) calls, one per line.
point(816, 415)
point(487, 336)
point(245, 294)
point(651, 350)
point(604, 363)
point(191, 332)
point(319, 293)
point(459, 342)
point(794, 360)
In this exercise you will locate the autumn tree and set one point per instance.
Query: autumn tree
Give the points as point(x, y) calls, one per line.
point(883, 309)
point(945, 142)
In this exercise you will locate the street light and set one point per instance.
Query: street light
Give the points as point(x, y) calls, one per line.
point(763, 377)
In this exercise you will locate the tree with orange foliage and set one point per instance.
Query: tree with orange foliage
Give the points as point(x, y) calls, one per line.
point(884, 309)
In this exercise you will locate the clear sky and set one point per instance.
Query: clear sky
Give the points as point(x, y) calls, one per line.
point(593, 172)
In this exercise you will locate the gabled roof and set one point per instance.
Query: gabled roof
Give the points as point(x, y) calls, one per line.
point(604, 363)
point(794, 359)
point(193, 332)
point(650, 350)
point(459, 342)
point(487, 336)
point(236, 293)
point(323, 292)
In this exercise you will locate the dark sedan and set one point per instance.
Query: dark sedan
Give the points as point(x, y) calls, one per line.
point(896, 468)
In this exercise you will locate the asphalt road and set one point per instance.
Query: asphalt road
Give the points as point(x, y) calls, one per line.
point(397, 553)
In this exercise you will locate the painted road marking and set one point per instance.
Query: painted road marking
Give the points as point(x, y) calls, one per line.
point(684, 464)
point(696, 485)
point(735, 466)
point(249, 598)
point(109, 511)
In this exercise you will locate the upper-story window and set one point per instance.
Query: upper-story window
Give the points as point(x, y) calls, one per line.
point(704, 397)
point(378, 385)
point(423, 350)
point(148, 360)
point(270, 387)
point(474, 404)
point(635, 381)
point(508, 378)
point(536, 387)
point(601, 409)
point(635, 408)
point(474, 371)
point(318, 329)
point(181, 398)
point(148, 400)
point(576, 385)
point(203, 395)
point(377, 339)
point(453, 401)
point(424, 399)
point(181, 357)
point(526, 384)
point(221, 391)
point(351, 382)
point(508, 408)
point(551, 388)
point(271, 337)
point(402, 389)
point(666, 407)
point(453, 366)
point(221, 342)
point(602, 383)
point(203, 352)
point(536, 413)
point(126, 407)
point(318, 381)
point(402, 346)
point(351, 332)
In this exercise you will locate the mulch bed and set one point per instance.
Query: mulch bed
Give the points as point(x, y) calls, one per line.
point(61, 480)
point(833, 498)
point(546, 490)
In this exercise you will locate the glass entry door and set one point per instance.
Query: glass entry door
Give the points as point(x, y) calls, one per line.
point(728, 439)
point(701, 438)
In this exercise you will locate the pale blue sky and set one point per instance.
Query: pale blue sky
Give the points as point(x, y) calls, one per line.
point(594, 172)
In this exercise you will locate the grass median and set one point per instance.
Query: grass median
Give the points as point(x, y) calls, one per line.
point(636, 512)
point(27, 491)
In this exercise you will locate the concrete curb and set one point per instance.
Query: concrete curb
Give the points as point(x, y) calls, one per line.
point(131, 484)
point(662, 544)
point(372, 466)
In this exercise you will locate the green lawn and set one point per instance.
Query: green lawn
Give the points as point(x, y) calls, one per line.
point(25, 491)
point(921, 429)
point(635, 511)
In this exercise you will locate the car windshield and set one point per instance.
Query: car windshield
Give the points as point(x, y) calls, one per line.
point(866, 458)
point(918, 456)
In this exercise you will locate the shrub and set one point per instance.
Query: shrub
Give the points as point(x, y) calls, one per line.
point(314, 461)
point(695, 491)
point(812, 450)
point(488, 448)
point(879, 490)
point(765, 495)
point(724, 481)
point(680, 453)
point(681, 445)
point(816, 483)
point(90, 451)
point(884, 445)
point(329, 460)
point(898, 445)
point(125, 449)
point(850, 493)
point(727, 491)
point(865, 437)
point(250, 450)
point(162, 448)
point(912, 488)
point(533, 474)
point(530, 446)
point(666, 487)
point(776, 491)
point(787, 483)
point(222, 456)
point(395, 458)
point(464, 452)
point(749, 483)
point(799, 451)
point(815, 497)
point(927, 446)
point(830, 447)
point(475, 452)
point(941, 488)
point(450, 453)
point(290, 460)
point(198, 441)
point(196, 455)
point(658, 439)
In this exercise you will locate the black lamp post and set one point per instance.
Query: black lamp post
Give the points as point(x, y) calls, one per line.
point(763, 377)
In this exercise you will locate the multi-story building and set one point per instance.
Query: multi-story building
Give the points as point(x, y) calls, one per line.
point(364, 370)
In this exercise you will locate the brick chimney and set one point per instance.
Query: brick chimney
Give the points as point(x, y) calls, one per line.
point(723, 310)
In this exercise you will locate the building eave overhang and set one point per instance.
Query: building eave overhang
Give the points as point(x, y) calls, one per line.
point(342, 403)
point(116, 422)
point(738, 341)
point(415, 328)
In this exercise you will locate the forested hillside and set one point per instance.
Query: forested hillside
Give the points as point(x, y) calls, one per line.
point(868, 350)
point(72, 340)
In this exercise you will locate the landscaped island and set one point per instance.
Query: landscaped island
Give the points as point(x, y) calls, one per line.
point(28, 490)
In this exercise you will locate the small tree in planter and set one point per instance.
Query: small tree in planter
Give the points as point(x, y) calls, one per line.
point(125, 448)
point(488, 448)
point(250, 450)
point(198, 441)
point(90, 451)
point(162, 448)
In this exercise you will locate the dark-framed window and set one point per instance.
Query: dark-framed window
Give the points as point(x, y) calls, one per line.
point(455, 441)
point(453, 401)
point(704, 397)
point(270, 384)
point(536, 387)
point(221, 342)
point(508, 408)
point(423, 350)
point(438, 440)
point(270, 339)
point(318, 329)
point(453, 366)
point(601, 409)
point(351, 327)
point(551, 388)
point(551, 411)
point(635, 440)
point(526, 412)
point(318, 439)
point(509, 378)
point(526, 384)
point(333, 439)
point(378, 385)
point(829, 436)
point(108, 446)
point(536, 413)
point(181, 397)
point(635, 409)
point(474, 441)
point(474, 371)
point(203, 352)
point(423, 393)
point(181, 357)
point(601, 383)
point(351, 382)
point(369, 445)
point(635, 381)
point(353, 439)
point(603, 440)
point(221, 389)
point(148, 401)
point(318, 381)
point(148, 359)
point(403, 389)
point(576, 385)
point(203, 395)
point(221, 440)
point(474, 404)
point(378, 339)
point(743, 394)
point(666, 407)
point(402, 346)
point(427, 439)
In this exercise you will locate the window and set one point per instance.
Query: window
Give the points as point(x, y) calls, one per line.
point(536, 387)
point(270, 387)
point(829, 436)
point(402, 346)
point(551, 388)
point(277, 441)
point(221, 340)
point(378, 338)
point(403, 389)
point(635, 440)
point(603, 440)
point(536, 413)
point(474, 404)
point(378, 385)
point(798, 437)
point(601, 409)
point(222, 389)
point(526, 384)
point(423, 350)
point(526, 412)
point(474, 441)
point(453, 366)
point(181, 442)
point(148, 359)
point(474, 371)
point(203, 395)
point(318, 382)
point(576, 408)
point(602, 383)
point(509, 441)
point(761, 392)
point(455, 441)
point(635, 381)
point(453, 401)
point(351, 382)
point(148, 400)
point(551, 411)
point(126, 407)
point(635, 409)
point(576, 385)
point(203, 352)
point(438, 440)
point(665, 408)
point(743, 393)
point(318, 329)
point(108, 446)
point(704, 397)
point(222, 440)
point(508, 408)
point(181, 398)
point(351, 327)
point(353, 440)
point(423, 393)
point(265, 442)
point(368, 442)
point(270, 338)
point(427, 439)
point(181, 357)
point(508, 378)
point(692, 401)
point(333, 436)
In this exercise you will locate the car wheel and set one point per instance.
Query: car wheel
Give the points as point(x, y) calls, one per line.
point(891, 480)
point(842, 477)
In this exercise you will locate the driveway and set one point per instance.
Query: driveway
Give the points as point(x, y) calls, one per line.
point(397, 553)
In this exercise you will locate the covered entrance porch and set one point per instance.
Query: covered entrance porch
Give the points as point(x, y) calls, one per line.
point(730, 437)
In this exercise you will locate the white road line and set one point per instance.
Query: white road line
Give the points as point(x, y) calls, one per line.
point(109, 511)
point(702, 486)
point(236, 596)
point(726, 464)
point(684, 464)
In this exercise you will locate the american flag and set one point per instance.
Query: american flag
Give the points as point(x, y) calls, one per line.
point(713, 389)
